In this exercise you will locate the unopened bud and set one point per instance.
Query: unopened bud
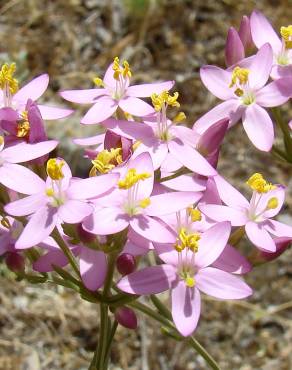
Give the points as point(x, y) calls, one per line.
point(126, 317)
point(84, 236)
point(15, 262)
point(126, 263)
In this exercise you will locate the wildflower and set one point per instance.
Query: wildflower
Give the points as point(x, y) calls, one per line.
point(115, 91)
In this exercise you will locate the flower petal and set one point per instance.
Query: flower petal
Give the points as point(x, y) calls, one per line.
point(74, 211)
point(85, 96)
point(93, 268)
point(135, 106)
point(185, 308)
point(221, 284)
point(48, 112)
point(259, 236)
point(261, 67)
point(106, 221)
point(217, 80)
point(167, 203)
point(186, 183)
point(46, 261)
point(27, 205)
point(258, 127)
point(150, 280)
point(223, 213)
point(152, 229)
point(92, 187)
point(212, 244)
point(104, 107)
point(262, 31)
point(229, 195)
point(278, 229)
point(145, 90)
point(21, 179)
point(191, 158)
point(38, 228)
point(32, 90)
point(275, 93)
point(230, 260)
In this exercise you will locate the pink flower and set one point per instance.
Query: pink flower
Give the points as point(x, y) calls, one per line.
point(116, 92)
point(59, 199)
point(187, 272)
point(234, 49)
point(13, 97)
point(262, 32)
point(132, 204)
point(11, 174)
point(255, 216)
point(245, 95)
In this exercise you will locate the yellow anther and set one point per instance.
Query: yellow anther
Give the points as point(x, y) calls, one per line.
point(6, 78)
point(5, 222)
point(54, 169)
point(189, 241)
point(50, 192)
point(126, 71)
point(286, 33)
point(131, 178)
point(23, 126)
point(128, 116)
point(259, 184)
point(273, 203)
point(179, 117)
point(144, 202)
point(1, 140)
point(239, 75)
point(106, 160)
point(136, 144)
point(239, 92)
point(190, 281)
point(179, 248)
point(98, 82)
point(164, 99)
point(195, 214)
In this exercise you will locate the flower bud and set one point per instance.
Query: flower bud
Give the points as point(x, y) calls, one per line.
point(234, 50)
point(282, 243)
point(126, 317)
point(15, 261)
point(84, 236)
point(126, 263)
point(245, 33)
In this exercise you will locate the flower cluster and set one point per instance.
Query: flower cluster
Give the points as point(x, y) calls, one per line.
point(153, 186)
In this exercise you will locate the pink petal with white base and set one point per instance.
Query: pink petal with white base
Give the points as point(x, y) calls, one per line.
point(106, 221)
point(20, 179)
point(27, 205)
point(74, 211)
point(212, 244)
point(217, 80)
point(258, 127)
point(223, 213)
point(135, 106)
point(104, 107)
point(145, 90)
point(191, 158)
point(167, 203)
point(151, 280)
point(85, 96)
point(259, 236)
point(185, 308)
point(221, 284)
point(230, 260)
point(274, 94)
point(32, 90)
point(48, 112)
point(152, 229)
point(93, 268)
point(38, 228)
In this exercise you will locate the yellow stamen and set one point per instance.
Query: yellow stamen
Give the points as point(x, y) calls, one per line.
point(131, 178)
point(195, 214)
point(286, 33)
point(136, 144)
point(179, 117)
point(239, 75)
point(259, 184)
point(106, 160)
point(160, 100)
point(1, 140)
point(54, 169)
point(126, 71)
point(6, 78)
point(190, 281)
point(50, 192)
point(144, 202)
point(273, 203)
point(98, 82)
point(128, 116)
point(5, 222)
point(186, 240)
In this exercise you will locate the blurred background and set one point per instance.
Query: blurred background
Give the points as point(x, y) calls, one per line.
point(42, 327)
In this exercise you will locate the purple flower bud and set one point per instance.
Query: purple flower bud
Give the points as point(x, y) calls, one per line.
point(84, 236)
point(113, 140)
point(245, 33)
point(126, 317)
point(15, 261)
point(234, 49)
point(281, 244)
point(126, 263)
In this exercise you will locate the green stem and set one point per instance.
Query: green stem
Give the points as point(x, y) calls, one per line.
point(286, 132)
point(66, 250)
point(160, 306)
point(99, 357)
point(191, 341)
point(109, 343)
